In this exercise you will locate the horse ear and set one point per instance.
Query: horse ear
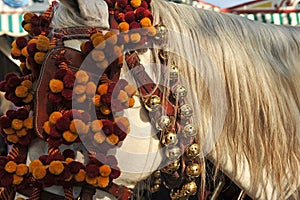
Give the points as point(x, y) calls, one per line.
point(71, 5)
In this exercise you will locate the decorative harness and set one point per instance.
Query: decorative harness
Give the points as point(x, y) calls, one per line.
point(59, 89)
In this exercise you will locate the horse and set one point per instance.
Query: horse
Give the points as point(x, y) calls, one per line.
point(242, 83)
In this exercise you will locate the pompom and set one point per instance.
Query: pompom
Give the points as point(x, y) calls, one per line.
point(115, 173)
point(43, 43)
point(105, 170)
point(67, 94)
point(80, 176)
point(28, 123)
point(144, 4)
point(111, 38)
point(17, 180)
point(47, 127)
point(112, 139)
point(99, 137)
point(21, 91)
point(11, 167)
point(27, 16)
point(39, 57)
point(131, 102)
point(103, 182)
point(22, 114)
point(96, 125)
point(13, 138)
point(90, 88)
point(135, 37)
point(5, 122)
point(122, 3)
point(56, 167)
point(81, 98)
point(134, 25)
point(17, 124)
point(107, 126)
point(151, 31)
point(68, 153)
point(69, 136)
point(77, 126)
point(120, 17)
point(63, 123)
point(123, 27)
point(146, 22)
point(39, 172)
point(99, 42)
point(56, 85)
point(128, 8)
point(86, 47)
point(27, 83)
point(79, 89)
point(35, 20)
point(97, 100)
point(92, 170)
point(81, 77)
point(54, 117)
point(102, 89)
point(140, 13)
point(98, 55)
point(16, 52)
point(69, 80)
point(9, 131)
point(22, 169)
point(74, 167)
point(55, 97)
point(122, 96)
point(22, 132)
point(135, 3)
point(91, 181)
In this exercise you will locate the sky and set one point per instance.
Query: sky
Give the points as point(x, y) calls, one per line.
point(226, 3)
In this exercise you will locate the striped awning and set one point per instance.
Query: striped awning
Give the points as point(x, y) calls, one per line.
point(292, 19)
point(10, 24)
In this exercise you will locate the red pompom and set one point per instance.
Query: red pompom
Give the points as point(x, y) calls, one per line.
point(106, 98)
point(60, 74)
point(75, 167)
point(122, 3)
point(6, 180)
point(134, 25)
point(122, 136)
point(5, 122)
point(144, 4)
point(36, 30)
point(21, 42)
point(22, 113)
point(13, 81)
point(115, 173)
point(63, 123)
point(88, 47)
point(35, 20)
point(55, 97)
point(12, 114)
point(67, 94)
point(54, 133)
point(68, 153)
point(140, 13)
point(92, 170)
point(129, 17)
point(120, 17)
point(149, 15)
point(86, 117)
point(9, 75)
point(31, 48)
point(69, 80)
point(43, 159)
point(128, 8)
point(55, 143)
point(107, 126)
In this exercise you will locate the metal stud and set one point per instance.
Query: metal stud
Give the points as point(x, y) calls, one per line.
point(186, 111)
point(173, 72)
point(173, 152)
point(161, 32)
point(163, 122)
point(193, 170)
point(189, 131)
point(193, 151)
point(170, 139)
point(179, 92)
point(172, 167)
point(152, 103)
point(190, 188)
point(157, 174)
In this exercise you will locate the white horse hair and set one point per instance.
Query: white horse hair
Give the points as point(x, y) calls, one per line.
point(243, 82)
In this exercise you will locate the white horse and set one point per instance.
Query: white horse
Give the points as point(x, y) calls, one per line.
point(242, 79)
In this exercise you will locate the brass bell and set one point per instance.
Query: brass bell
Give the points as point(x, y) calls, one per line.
point(161, 32)
point(193, 151)
point(157, 181)
point(155, 188)
point(163, 122)
point(173, 72)
point(172, 167)
point(189, 131)
point(173, 152)
point(193, 170)
point(186, 111)
point(190, 188)
point(152, 103)
point(170, 139)
point(179, 92)
point(157, 174)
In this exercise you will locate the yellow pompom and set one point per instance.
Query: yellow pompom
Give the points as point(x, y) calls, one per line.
point(105, 110)
point(77, 126)
point(81, 98)
point(69, 136)
point(99, 138)
point(34, 164)
point(79, 89)
point(130, 89)
point(91, 181)
point(123, 27)
point(130, 102)
point(56, 85)
point(11, 166)
point(103, 64)
point(112, 139)
point(90, 88)
point(32, 41)
point(39, 172)
point(24, 52)
point(39, 57)
point(97, 100)
point(28, 98)
point(99, 42)
point(135, 3)
point(27, 83)
point(22, 169)
point(111, 38)
point(145, 22)
point(98, 55)
point(22, 132)
point(43, 43)
point(102, 89)
point(16, 52)
point(103, 181)
point(56, 167)
point(21, 91)
point(47, 127)
point(96, 125)
point(17, 180)
point(80, 176)
point(13, 138)
point(17, 124)
point(118, 51)
point(135, 37)
point(151, 31)
point(81, 77)
point(54, 117)
point(97, 34)
point(9, 131)
point(27, 16)
point(122, 96)
point(28, 123)
point(69, 160)
point(105, 170)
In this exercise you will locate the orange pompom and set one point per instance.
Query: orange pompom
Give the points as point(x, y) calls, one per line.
point(11, 166)
point(27, 16)
point(130, 89)
point(9, 131)
point(97, 34)
point(27, 27)
point(22, 132)
point(17, 180)
point(21, 91)
point(28, 98)
point(112, 139)
point(69, 160)
point(22, 169)
point(103, 64)
point(47, 127)
point(56, 167)
point(151, 31)
point(43, 43)
point(111, 38)
point(24, 52)
point(122, 96)
point(16, 52)
point(145, 22)
point(97, 100)
point(123, 27)
point(91, 88)
point(118, 51)
point(13, 138)
point(122, 120)
point(103, 181)
point(135, 37)
point(79, 89)
point(32, 41)
point(56, 85)
point(39, 172)
point(81, 77)
point(39, 57)
point(136, 3)
point(54, 117)
point(96, 125)
point(77, 126)
point(27, 83)
point(69, 136)
point(91, 181)
point(130, 102)
point(99, 138)
point(102, 89)
point(98, 55)
point(28, 123)
point(34, 164)
point(17, 124)
point(80, 176)
point(105, 110)
point(105, 170)
point(81, 98)
point(99, 42)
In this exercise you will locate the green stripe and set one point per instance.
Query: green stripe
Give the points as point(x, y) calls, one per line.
point(280, 18)
point(255, 17)
point(10, 23)
point(297, 18)
point(20, 23)
point(272, 19)
point(263, 17)
point(0, 22)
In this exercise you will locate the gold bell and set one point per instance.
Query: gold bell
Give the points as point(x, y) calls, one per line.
point(189, 189)
point(193, 170)
point(152, 103)
point(193, 150)
point(170, 139)
point(171, 168)
point(105, 110)
point(173, 72)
